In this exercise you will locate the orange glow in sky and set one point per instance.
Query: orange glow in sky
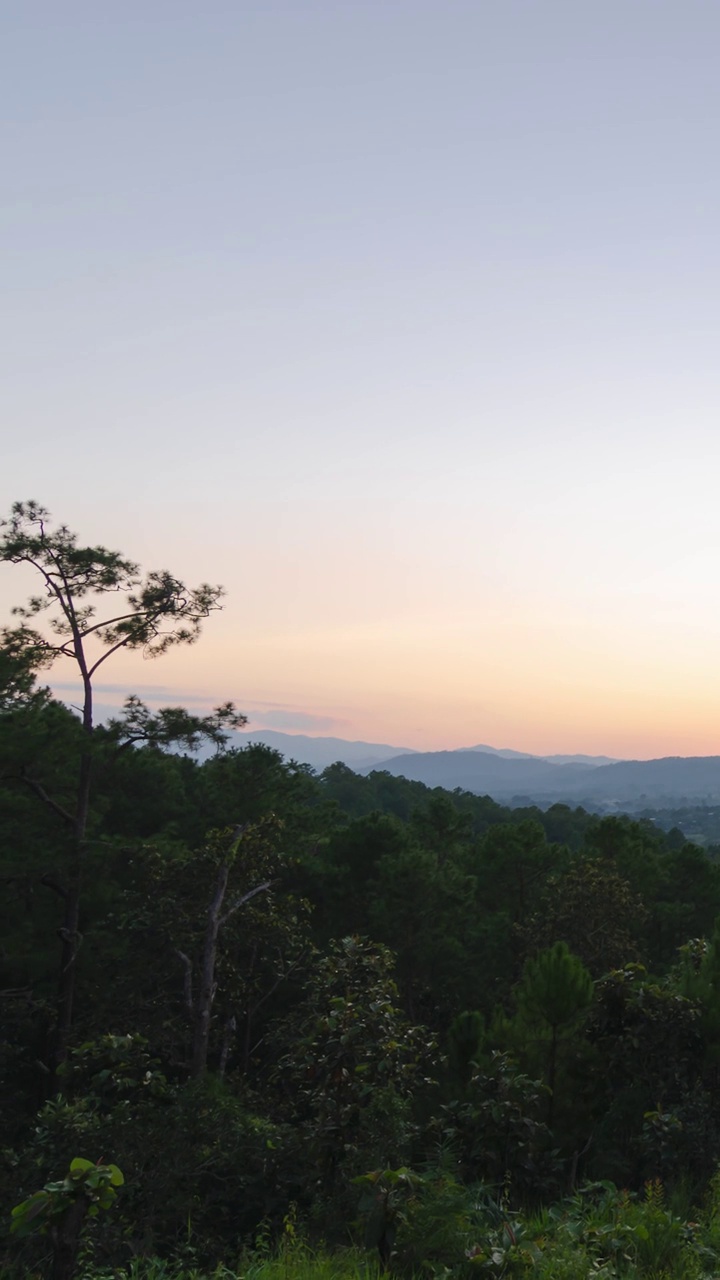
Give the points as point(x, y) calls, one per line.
point(400, 324)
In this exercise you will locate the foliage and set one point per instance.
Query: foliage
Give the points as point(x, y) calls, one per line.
point(160, 611)
point(496, 1134)
point(465, 1039)
point(556, 988)
point(416, 1220)
point(593, 909)
point(95, 1182)
point(353, 1067)
point(61, 1207)
point(554, 993)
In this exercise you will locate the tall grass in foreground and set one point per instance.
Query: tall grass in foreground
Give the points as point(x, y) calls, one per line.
point(599, 1233)
point(292, 1262)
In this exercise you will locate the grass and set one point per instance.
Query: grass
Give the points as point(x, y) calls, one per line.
point(601, 1233)
point(291, 1262)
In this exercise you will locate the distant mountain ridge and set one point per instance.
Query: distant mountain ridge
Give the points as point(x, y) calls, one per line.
point(484, 771)
point(320, 752)
point(623, 784)
point(513, 776)
point(508, 754)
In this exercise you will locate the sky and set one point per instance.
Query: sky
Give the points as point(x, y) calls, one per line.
point(402, 321)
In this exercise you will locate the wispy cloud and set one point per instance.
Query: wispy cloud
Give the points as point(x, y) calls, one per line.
point(260, 713)
point(293, 720)
point(148, 693)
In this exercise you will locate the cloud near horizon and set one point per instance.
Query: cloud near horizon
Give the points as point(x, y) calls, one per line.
point(292, 720)
point(265, 715)
point(147, 693)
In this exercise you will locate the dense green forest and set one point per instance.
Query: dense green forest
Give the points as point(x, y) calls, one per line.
point(255, 1018)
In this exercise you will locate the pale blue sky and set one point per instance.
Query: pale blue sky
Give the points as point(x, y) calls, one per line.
point(402, 320)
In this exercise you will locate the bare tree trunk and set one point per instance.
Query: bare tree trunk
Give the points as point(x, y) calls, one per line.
point(203, 1005)
point(70, 938)
point(576, 1158)
point(206, 991)
point(229, 1032)
point(70, 935)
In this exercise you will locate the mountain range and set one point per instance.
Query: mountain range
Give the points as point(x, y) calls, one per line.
point(320, 752)
point(364, 756)
point(623, 784)
point(598, 782)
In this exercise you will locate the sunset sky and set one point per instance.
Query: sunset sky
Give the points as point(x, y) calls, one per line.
point(400, 318)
